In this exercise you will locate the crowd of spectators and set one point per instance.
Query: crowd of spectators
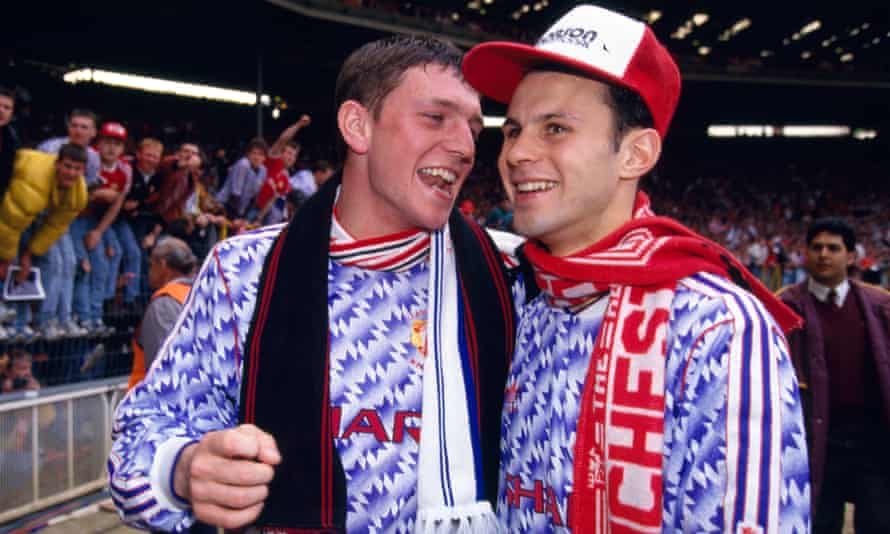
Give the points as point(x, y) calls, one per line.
point(81, 213)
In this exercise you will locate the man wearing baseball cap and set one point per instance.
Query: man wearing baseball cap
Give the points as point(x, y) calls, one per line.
point(651, 388)
point(95, 244)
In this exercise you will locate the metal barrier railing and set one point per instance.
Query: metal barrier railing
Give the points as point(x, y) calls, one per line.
point(54, 443)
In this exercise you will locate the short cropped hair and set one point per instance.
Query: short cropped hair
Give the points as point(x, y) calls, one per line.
point(373, 71)
point(257, 143)
point(150, 142)
point(85, 113)
point(833, 226)
point(176, 254)
point(73, 152)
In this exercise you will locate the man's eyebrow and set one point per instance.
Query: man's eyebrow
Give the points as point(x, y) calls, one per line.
point(446, 103)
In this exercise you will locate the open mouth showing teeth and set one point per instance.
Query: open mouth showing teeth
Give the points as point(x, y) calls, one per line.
point(438, 178)
point(446, 175)
point(533, 187)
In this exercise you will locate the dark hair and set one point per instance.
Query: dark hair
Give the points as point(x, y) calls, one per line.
point(833, 226)
point(80, 112)
point(73, 152)
point(256, 143)
point(628, 112)
point(8, 93)
point(322, 165)
point(370, 73)
point(295, 197)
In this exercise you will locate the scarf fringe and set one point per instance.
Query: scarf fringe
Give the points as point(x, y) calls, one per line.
point(475, 518)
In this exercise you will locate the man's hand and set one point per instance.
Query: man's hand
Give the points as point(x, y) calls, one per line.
point(226, 475)
point(24, 267)
point(305, 120)
point(148, 241)
point(130, 205)
point(85, 265)
point(91, 239)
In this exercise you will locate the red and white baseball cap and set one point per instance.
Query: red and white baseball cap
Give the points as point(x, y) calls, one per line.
point(607, 45)
point(113, 129)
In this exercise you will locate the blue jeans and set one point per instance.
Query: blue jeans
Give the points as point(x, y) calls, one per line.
point(91, 289)
point(131, 258)
point(57, 269)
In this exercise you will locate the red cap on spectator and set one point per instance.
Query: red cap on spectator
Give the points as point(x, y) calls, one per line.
point(113, 129)
point(607, 45)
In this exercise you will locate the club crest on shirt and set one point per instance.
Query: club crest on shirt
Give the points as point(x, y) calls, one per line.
point(748, 528)
point(418, 333)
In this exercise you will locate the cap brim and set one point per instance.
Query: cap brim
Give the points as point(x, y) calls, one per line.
point(496, 68)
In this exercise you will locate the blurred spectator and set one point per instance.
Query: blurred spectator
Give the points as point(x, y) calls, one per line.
point(62, 258)
point(81, 131)
point(179, 174)
point(501, 216)
point(245, 178)
point(218, 167)
point(172, 267)
point(95, 244)
point(307, 181)
point(206, 218)
point(9, 141)
point(144, 221)
point(118, 175)
point(294, 200)
point(41, 184)
point(842, 358)
point(18, 374)
point(282, 155)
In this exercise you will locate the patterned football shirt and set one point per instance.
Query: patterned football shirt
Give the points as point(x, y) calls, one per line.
point(377, 343)
point(714, 480)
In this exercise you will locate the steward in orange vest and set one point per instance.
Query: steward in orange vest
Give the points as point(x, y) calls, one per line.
point(170, 269)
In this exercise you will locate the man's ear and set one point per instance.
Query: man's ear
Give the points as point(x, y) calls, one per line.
point(639, 152)
point(354, 122)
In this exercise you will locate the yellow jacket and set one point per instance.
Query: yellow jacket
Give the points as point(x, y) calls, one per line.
point(32, 189)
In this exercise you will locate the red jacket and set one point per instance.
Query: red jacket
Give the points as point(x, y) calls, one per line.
point(808, 357)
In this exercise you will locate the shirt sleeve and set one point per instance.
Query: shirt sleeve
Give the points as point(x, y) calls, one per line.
point(736, 457)
point(158, 321)
point(237, 179)
point(193, 389)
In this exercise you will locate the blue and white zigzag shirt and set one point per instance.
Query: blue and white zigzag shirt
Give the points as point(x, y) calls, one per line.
point(703, 490)
point(377, 353)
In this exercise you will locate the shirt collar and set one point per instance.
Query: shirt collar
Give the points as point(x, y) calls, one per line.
point(821, 291)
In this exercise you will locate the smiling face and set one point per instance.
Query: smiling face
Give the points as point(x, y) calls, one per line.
point(568, 182)
point(68, 171)
point(412, 158)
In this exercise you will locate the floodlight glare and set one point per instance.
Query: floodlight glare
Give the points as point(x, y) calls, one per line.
point(161, 86)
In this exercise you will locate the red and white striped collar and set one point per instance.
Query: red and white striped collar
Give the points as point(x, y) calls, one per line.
point(394, 253)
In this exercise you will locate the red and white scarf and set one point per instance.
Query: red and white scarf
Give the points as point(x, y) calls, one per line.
point(620, 434)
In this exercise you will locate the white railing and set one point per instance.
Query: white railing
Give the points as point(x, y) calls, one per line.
point(54, 443)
